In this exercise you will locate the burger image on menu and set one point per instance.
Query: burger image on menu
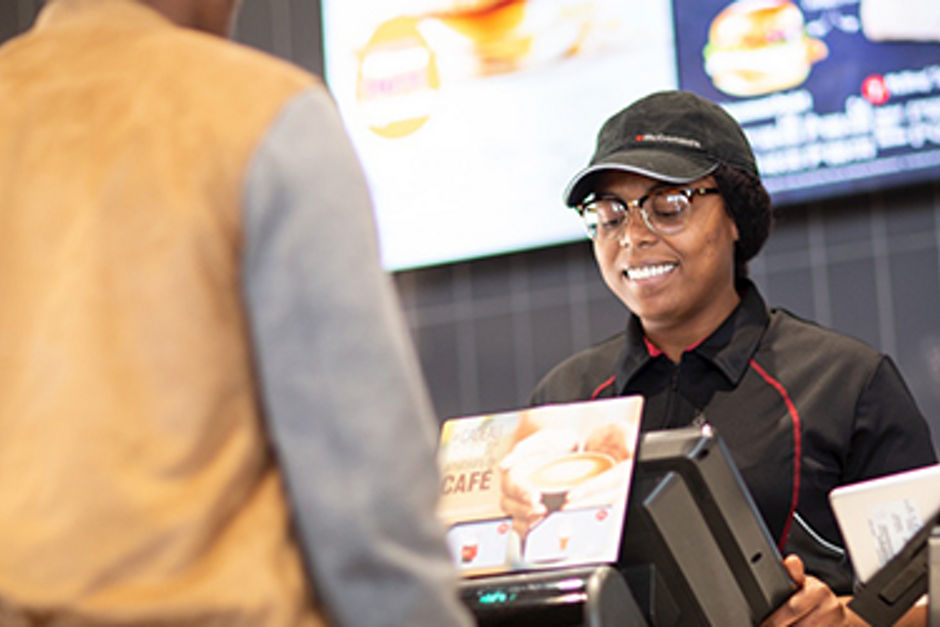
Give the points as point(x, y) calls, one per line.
point(757, 47)
point(497, 36)
point(426, 44)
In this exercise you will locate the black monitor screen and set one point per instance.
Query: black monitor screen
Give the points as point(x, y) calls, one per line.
point(695, 550)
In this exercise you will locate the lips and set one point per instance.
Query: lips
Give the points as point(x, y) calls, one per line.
point(649, 271)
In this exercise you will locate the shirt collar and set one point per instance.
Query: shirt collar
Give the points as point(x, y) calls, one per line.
point(729, 348)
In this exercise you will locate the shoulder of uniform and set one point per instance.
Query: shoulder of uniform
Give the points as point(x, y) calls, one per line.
point(807, 338)
point(602, 356)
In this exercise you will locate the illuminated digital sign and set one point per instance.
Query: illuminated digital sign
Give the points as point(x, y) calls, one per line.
point(836, 96)
point(470, 116)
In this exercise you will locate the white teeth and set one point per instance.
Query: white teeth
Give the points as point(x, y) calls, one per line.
point(647, 272)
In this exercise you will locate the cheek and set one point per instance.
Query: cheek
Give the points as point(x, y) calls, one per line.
point(714, 243)
point(719, 237)
point(606, 261)
point(719, 247)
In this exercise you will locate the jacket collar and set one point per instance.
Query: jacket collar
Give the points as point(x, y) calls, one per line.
point(123, 11)
point(729, 348)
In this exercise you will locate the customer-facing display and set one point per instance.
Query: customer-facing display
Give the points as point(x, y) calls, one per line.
point(538, 488)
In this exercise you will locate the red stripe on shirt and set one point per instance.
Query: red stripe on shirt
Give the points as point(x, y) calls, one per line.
point(601, 387)
point(655, 351)
point(797, 448)
point(651, 348)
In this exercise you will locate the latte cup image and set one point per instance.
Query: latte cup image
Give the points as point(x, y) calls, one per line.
point(556, 477)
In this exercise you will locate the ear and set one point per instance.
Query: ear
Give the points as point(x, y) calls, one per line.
point(735, 235)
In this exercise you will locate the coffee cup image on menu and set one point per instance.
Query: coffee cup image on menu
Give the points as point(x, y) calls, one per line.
point(757, 47)
point(397, 79)
point(553, 464)
point(557, 476)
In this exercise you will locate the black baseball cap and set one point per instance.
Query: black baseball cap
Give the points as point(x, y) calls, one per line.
point(673, 136)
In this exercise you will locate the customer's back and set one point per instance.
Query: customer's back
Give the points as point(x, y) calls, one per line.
point(137, 486)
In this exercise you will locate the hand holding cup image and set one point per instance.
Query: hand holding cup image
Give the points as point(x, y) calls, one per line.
point(551, 468)
point(534, 446)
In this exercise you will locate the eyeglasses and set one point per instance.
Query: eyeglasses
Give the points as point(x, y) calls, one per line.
point(665, 211)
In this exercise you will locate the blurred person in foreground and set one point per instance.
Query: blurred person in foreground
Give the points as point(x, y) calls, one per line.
point(211, 411)
point(673, 202)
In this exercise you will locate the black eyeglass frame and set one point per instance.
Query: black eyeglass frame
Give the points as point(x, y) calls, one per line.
point(688, 192)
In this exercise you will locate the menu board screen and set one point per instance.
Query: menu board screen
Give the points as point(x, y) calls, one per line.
point(470, 116)
point(836, 96)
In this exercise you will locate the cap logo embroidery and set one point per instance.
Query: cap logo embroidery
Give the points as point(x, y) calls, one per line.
point(669, 139)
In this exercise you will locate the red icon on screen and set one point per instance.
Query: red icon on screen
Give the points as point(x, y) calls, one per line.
point(874, 89)
point(468, 552)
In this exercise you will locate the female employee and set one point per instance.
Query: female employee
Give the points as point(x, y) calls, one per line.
point(674, 204)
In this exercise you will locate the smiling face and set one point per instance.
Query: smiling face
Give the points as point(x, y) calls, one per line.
point(681, 286)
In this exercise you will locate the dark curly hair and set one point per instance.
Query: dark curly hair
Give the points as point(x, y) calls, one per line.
point(748, 204)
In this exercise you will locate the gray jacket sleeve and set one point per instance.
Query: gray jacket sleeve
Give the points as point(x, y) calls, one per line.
point(341, 389)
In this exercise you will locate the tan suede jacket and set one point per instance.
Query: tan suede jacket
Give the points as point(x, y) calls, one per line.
point(124, 363)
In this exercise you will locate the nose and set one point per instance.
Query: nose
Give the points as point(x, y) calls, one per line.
point(636, 232)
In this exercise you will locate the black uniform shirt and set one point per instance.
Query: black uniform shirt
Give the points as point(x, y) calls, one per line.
point(802, 409)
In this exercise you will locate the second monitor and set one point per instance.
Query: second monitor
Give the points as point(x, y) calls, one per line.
point(695, 549)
